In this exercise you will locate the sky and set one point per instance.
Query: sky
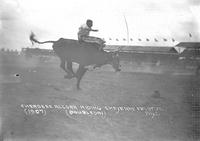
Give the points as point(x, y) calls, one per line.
point(146, 19)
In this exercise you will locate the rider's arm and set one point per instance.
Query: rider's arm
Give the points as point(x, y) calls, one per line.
point(95, 30)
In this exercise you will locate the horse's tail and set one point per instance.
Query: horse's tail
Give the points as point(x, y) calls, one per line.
point(33, 40)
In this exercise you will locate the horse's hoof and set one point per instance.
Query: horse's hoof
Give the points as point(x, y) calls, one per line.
point(68, 76)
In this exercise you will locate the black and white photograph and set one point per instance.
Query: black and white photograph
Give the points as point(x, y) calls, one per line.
point(99, 70)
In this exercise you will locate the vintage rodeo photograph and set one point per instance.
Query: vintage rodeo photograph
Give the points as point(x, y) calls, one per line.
point(99, 70)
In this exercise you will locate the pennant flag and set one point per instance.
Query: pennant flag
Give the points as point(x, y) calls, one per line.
point(155, 40)
point(173, 40)
point(164, 39)
point(139, 39)
point(179, 49)
point(147, 39)
point(190, 35)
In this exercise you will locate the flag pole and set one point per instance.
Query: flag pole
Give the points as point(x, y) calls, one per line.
point(127, 30)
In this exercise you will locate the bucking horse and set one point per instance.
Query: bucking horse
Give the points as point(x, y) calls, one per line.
point(85, 54)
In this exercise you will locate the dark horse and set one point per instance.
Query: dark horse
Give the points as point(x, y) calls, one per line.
point(85, 54)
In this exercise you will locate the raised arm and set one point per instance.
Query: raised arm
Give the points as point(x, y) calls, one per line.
point(95, 30)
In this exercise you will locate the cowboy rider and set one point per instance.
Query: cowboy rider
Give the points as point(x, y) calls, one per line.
point(84, 31)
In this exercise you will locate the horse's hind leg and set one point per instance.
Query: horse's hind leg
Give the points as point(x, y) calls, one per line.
point(69, 67)
point(69, 73)
point(79, 75)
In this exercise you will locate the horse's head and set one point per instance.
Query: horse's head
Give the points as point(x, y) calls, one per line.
point(115, 61)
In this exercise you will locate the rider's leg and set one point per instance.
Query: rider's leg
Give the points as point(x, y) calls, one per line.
point(97, 40)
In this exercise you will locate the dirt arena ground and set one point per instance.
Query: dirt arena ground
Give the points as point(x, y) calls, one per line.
point(157, 103)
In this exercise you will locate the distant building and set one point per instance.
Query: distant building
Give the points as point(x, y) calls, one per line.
point(189, 49)
point(142, 49)
point(37, 51)
point(145, 53)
